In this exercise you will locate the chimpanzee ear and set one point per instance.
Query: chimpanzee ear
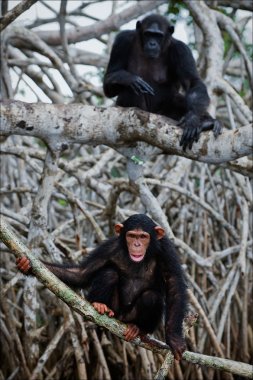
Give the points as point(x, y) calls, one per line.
point(138, 25)
point(159, 232)
point(117, 228)
point(171, 29)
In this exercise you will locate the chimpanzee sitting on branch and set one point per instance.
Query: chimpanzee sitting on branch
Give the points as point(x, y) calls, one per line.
point(150, 69)
point(135, 276)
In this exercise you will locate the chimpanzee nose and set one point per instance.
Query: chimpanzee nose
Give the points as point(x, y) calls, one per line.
point(152, 44)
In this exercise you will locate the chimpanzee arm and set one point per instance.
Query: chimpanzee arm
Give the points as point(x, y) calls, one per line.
point(197, 99)
point(70, 274)
point(117, 76)
point(196, 96)
point(79, 275)
point(176, 299)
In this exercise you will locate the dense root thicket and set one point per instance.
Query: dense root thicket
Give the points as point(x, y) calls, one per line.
point(207, 208)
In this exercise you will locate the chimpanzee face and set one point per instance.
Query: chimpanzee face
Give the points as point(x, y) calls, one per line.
point(152, 43)
point(137, 244)
point(138, 231)
point(155, 35)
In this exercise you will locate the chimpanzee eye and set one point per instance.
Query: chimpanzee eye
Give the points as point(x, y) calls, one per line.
point(155, 36)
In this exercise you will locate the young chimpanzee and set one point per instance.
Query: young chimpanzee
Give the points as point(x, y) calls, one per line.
point(135, 276)
point(150, 69)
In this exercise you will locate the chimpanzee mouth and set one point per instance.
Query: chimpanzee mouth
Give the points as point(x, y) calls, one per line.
point(152, 53)
point(135, 257)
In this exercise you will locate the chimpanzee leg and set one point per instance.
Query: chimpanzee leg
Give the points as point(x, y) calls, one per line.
point(176, 107)
point(104, 288)
point(147, 311)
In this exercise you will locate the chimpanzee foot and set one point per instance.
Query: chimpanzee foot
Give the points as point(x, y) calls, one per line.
point(102, 309)
point(131, 332)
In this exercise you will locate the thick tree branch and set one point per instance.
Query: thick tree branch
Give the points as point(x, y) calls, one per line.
point(60, 125)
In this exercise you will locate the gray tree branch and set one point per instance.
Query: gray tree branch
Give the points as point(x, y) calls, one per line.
point(60, 125)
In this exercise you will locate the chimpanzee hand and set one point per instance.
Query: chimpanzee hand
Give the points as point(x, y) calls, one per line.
point(131, 332)
point(24, 265)
point(139, 86)
point(177, 345)
point(192, 128)
point(102, 309)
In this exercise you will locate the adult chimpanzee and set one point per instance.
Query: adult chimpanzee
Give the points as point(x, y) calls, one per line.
point(148, 68)
point(135, 277)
